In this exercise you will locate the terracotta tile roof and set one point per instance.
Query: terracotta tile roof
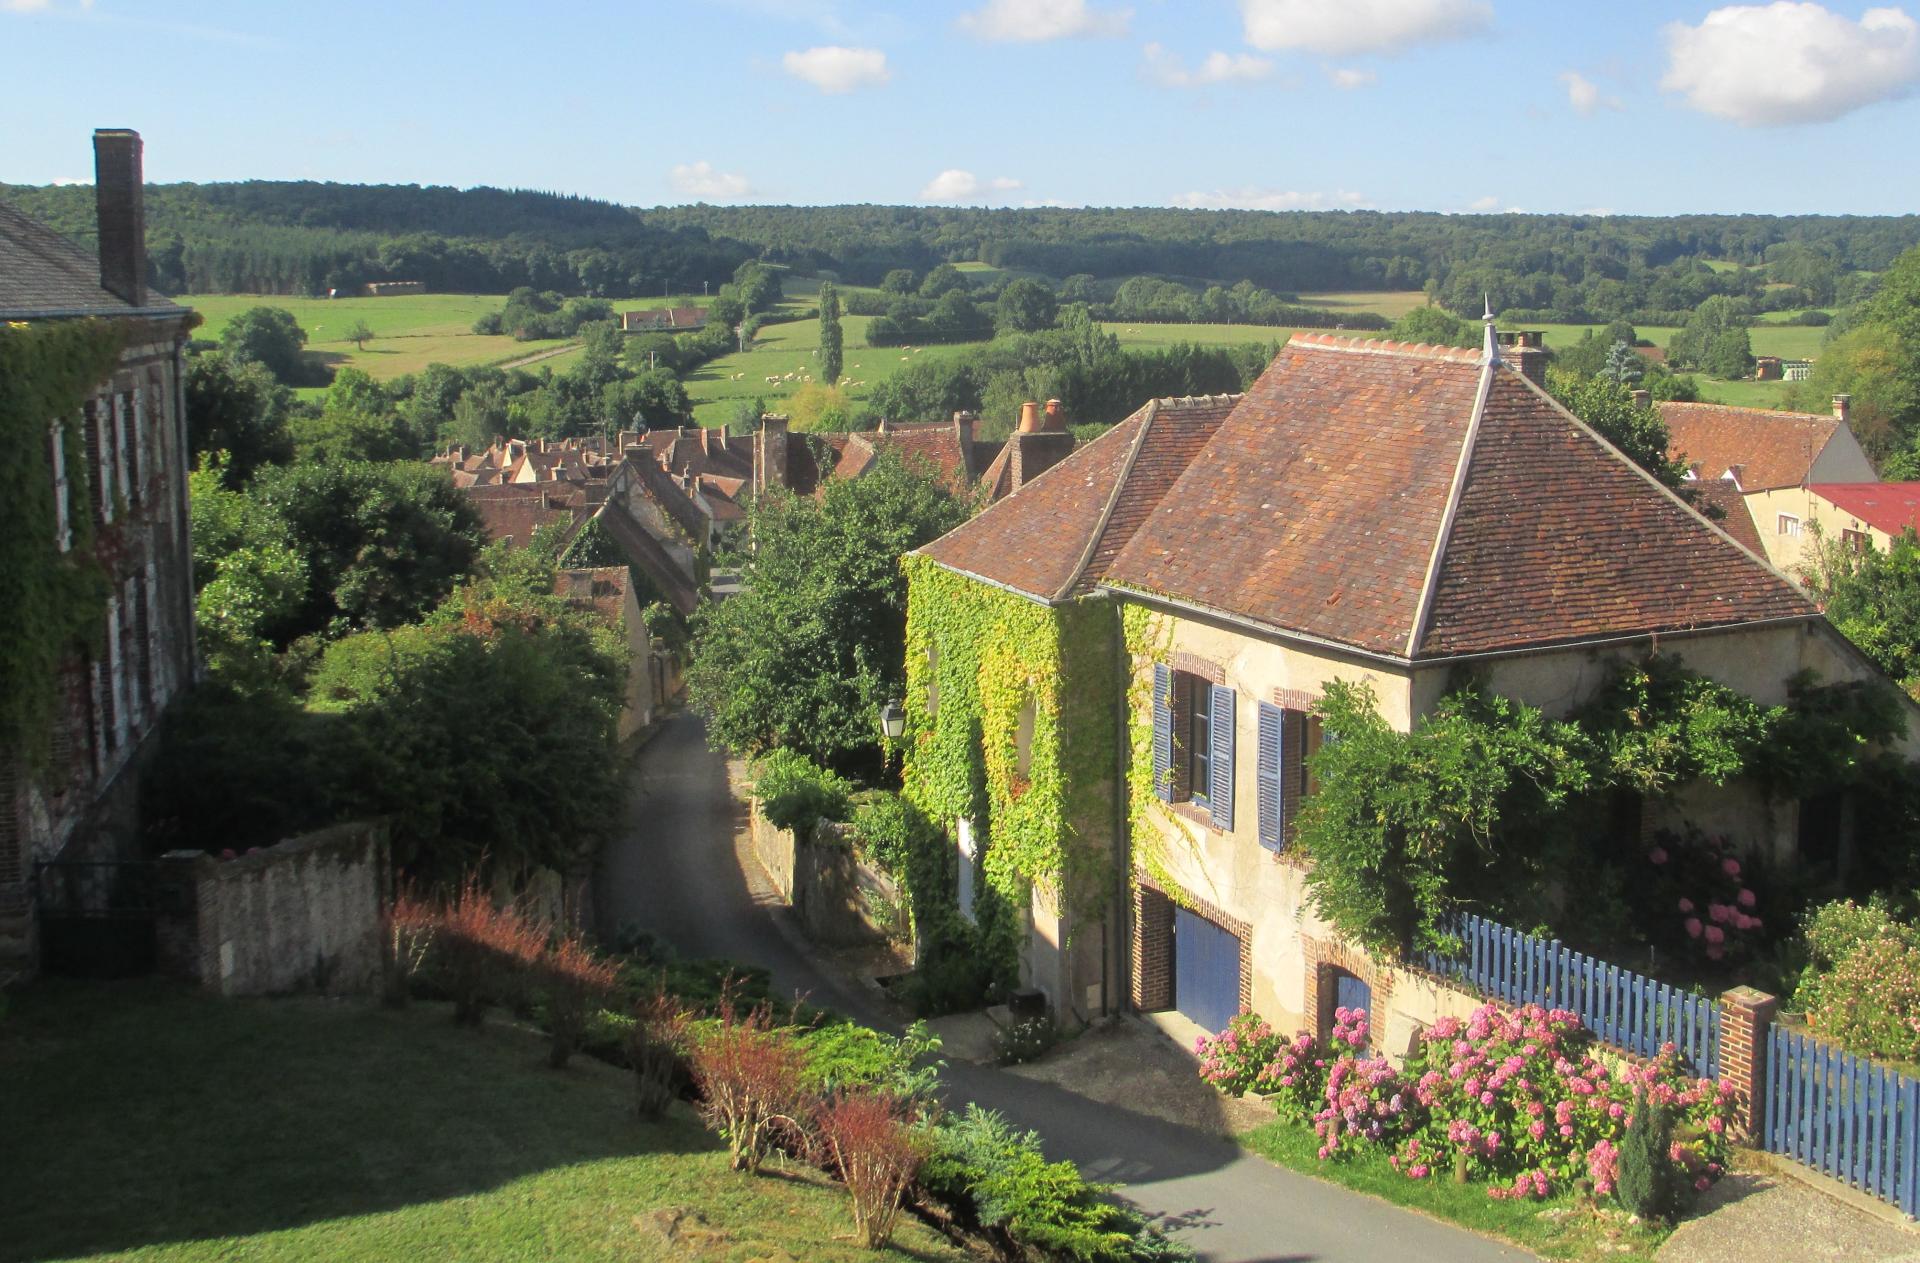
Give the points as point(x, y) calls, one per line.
point(600, 588)
point(1771, 449)
point(1724, 494)
point(1558, 537)
point(517, 516)
point(42, 273)
point(646, 553)
point(1886, 506)
point(1363, 493)
point(1056, 535)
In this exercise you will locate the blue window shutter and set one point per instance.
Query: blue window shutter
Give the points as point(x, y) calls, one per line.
point(1220, 791)
point(1273, 802)
point(1163, 732)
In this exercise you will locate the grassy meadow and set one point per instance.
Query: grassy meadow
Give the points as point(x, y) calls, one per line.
point(788, 348)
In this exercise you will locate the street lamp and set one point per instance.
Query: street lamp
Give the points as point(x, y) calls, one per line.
point(893, 721)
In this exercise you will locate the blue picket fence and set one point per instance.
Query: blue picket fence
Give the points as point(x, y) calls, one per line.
point(1631, 1011)
point(1845, 1116)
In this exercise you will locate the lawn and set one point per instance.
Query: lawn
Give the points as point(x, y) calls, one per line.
point(411, 331)
point(1559, 1228)
point(1141, 334)
point(1789, 342)
point(1392, 304)
point(780, 349)
point(147, 1122)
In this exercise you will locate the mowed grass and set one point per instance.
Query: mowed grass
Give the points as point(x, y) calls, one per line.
point(1392, 304)
point(410, 331)
point(1559, 1228)
point(786, 352)
point(143, 1121)
point(1789, 342)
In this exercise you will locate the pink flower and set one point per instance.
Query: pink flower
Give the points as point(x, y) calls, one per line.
point(1730, 866)
point(1715, 934)
point(1718, 913)
point(1716, 952)
point(1686, 905)
point(1657, 855)
point(1693, 927)
point(1702, 1184)
point(1747, 898)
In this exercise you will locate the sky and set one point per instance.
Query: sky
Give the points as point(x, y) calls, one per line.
point(1622, 107)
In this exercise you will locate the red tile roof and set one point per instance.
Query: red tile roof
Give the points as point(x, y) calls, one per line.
point(1770, 449)
point(599, 588)
point(1723, 494)
point(1394, 498)
point(1886, 506)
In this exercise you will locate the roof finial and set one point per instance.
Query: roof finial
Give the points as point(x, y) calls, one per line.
point(1490, 351)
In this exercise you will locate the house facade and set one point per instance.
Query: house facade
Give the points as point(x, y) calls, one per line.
point(1369, 512)
point(129, 500)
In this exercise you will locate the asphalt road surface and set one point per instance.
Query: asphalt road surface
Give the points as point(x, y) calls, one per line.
point(675, 872)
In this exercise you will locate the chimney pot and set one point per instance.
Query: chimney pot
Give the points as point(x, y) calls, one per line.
point(1642, 398)
point(1056, 415)
point(1842, 405)
point(1029, 417)
point(119, 194)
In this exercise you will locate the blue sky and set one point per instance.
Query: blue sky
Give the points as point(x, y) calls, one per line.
point(1451, 105)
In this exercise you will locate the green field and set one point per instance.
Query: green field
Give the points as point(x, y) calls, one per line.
point(410, 331)
point(782, 349)
point(1392, 304)
point(334, 1129)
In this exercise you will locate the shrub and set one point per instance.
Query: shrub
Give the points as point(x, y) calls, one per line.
point(1647, 1184)
point(656, 1042)
point(842, 1056)
point(796, 793)
point(1862, 983)
point(866, 1139)
point(997, 1178)
point(750, 1075)
point(410, 925)
point(482, 951)
point(1025, 1040)
point(1703, 897)
point(1234, 1060)
point(1295, 1080)
point(955, 973)
point(574, 983)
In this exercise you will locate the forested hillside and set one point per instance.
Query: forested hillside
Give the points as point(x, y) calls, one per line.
point(295, 238)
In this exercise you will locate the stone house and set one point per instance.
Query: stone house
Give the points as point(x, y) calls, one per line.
point(1368, 511)
point(607, 592)
point(83, 803)
point(1771, 458)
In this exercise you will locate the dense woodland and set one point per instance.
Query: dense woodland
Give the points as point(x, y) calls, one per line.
point(303, 237)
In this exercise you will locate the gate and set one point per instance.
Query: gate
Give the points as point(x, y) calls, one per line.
point(1844, 1115)
point(1350, 992)
point(96, 918)
point(1206, 970)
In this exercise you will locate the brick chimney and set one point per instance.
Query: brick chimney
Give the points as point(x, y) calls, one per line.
point(1842, 405)
point(1526, 350)
point(770, 452)
point(119, 192)
point(1029, 417)
point(1643, 398)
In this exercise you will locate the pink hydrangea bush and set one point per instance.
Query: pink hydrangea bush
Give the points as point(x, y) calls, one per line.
point(1296, 1081)
point(1703, 901)
point(1236, 1058)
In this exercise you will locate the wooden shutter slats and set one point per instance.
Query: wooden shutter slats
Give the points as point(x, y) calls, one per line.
point(1272, 794)
point(1220, 764)
point(1163, 732)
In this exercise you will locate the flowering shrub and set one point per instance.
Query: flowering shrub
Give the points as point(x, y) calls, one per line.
point(1234, 1060)
point(1296, 1079)
point(1703, 902)
point(1862, 987)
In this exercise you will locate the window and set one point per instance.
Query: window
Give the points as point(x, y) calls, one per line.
point(1310, 744)
point(1856, 541)
point(1193, 722)
point(1788, 524)
point(62, 525)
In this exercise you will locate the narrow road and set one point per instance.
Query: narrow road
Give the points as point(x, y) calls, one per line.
point(675, 871)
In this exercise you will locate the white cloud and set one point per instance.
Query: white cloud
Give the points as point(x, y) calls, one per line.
point(1778, 64)
point(837, 70)
point(955, 185)
point(60, 181)
point(1487, 203)
point(1168, 70)
point(1031, 21)
point(1359, 26)
point(701, 180)
point(1348, 78)
point(1267, 199)
point(1584, 95)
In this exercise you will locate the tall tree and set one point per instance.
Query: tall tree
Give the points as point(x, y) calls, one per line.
point(1608, 407)
point(269, 336)
point(237, 407)
point(832, 340)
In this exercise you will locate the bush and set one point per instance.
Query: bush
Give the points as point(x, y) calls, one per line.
point(1647, 1185)
point(750, 1075)
point(656, 1043)
point(796, 793)
point(842, 1056)
point(1029, 1039)
point(955, 973)
point(574, 983)
point(1234, 1060)
point(1862, 985)
point(410, 924)
point(481, 951)
point(867, 1140)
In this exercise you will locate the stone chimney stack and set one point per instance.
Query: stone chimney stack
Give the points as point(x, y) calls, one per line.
point(1842, 405)
point(1029, 417)
point(119, 191)
point(1643, 398)
point(770, 452)
point(1526, 350)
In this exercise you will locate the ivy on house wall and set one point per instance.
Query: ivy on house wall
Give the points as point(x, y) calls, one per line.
point(1153, 827)
point(982, 666)
point(54, 601)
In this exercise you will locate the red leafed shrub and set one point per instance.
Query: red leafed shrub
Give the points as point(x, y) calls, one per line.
point(655, 1047)
point(411, 922)
point(750, 1074)
point(574, 983)
point(868, 1140)
point(482, 952)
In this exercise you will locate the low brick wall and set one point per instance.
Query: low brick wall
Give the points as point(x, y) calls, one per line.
point(301, 915)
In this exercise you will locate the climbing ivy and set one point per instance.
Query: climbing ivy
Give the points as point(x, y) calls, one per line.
point(978, 658)
point(1149, 641)
point(53, 600)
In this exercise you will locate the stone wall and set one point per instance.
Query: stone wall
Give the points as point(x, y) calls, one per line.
point(775, 848)
point(301, 915)
point(842, 900)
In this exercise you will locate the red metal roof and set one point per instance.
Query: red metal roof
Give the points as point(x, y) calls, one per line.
point(1886, 506)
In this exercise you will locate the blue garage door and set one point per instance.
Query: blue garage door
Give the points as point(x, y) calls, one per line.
point(1206, 970)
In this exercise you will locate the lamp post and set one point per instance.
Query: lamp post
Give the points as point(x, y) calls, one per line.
point(893, 721)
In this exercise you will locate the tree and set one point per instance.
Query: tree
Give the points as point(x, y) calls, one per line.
point(269, 336)
point(806, 654)
point(238, 408)
point(1694, 346)
point(943, 280)
point(1608, 407)
point(1873, 597)
point(898, 281)
point(1024, 306)
point(479, 416)
point(1436, 327)
point(360, 334)
point(832, 350)
point(646, 401)
point(248, 575)
point(1623, 366)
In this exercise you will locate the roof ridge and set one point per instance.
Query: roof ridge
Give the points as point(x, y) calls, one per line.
point(1784, 414)
point(1430, 583)
point(1152, 410)
point(1385, 346)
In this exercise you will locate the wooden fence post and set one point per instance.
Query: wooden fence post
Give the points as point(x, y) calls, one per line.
point(1745, 1016)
